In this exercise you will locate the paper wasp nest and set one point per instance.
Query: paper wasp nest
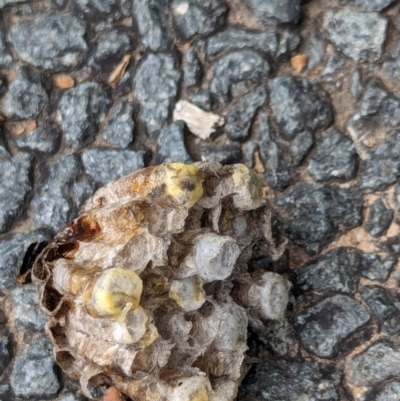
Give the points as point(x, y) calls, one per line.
point(148, 290)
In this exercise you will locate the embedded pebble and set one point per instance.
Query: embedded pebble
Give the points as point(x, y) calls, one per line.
point(114, 44)
point(324, 326)
point(275, 11)
point(33, 374)
point(198, 17)
point(5, 57)
point(300, 146)
point(299, 105)
point(105, 165)
point(375, 267)
point(55, 41)
point(225, 154)
point(4, 354)
point(80, 110)
point(25, 97)
point(171, 144)
point(156, 88)
point(352, 33)
point(42, 140)
point(379, 218)
point(192, 70)
point(279, 336)
point(120, 126)
point(391, 392)
point(288, 45)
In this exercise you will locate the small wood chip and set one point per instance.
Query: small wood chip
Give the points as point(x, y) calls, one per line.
point(299, 62)
point(20, 127)
point(64, 81)
point(258, 164)
point(119, 71)
point(201, 123)
point(112, 394)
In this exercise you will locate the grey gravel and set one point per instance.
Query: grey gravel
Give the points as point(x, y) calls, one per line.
point(390, 65)
point(314, 212)
point(52, 205)
point(383, 306)
point(151, 20)
point(377, 363)
point(192, 70)
point(356, 86)
point(379, 218)
point(25, 97)
point(114, 44)
point(83, 189)
point(236, 67)
point(278, 335)
point(276, 165)
point(335, 157)
point(288, 44)
point(171, 144)
point(237, 39)
point(156, 88)
point(201, 98)
point(33, 374)
point(290, 382)
point(12, 251)
point(120, 126)
point(52, 41)
point(275, 11)
point(225, 154)
point(80, 111)
point(106, 165)
point(4, 354)
point(300, 146)
point(358, 35)
point(299, 105)
point(324, 326)
point(15, 184)
point(374, 267)
point(198, 17)
point(27, 313)
point(97, 6)
point(5, 57)
point(44, 140)
point(315, 48)
point(383, 166)
point(336, 271)
point(334, 65)
point(369, 5)
point(391, 392)
point(240, 117)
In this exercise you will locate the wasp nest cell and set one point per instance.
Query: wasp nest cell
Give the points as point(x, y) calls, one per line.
point(148, 289)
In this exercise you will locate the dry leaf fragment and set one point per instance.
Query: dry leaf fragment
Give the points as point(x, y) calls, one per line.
point(21, 127)
point(119, 71)
point(299, 62)
point(201, 123)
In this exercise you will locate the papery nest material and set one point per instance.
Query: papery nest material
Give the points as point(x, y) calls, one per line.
point(148, 289)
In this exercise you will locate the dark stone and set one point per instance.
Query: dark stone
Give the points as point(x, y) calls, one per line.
point(241, 115)
point(290, 382)
point(152, 22)
point(202, 99)
point(53, 42)
point(192, 70)
point(276, 165)
point(383, 306)
point(81, 109)
point(104, 8)
point(315, 49)
point(238, 39)
point(171, 144)
point(198, 17)
point(391, 392)
point(33, 375)
point(27, 313)
point(42, 140)
point(299, 105)
point(323, 327)
point(14, 186)
point(273, 12)
point(335, 63)
point(4, 353)
point(356, 86)
point(379, 218)
point(25, 97)
point(106, 165)
point(12, 250)
point(278, 335)
point(115, 44)
point(53, 205)
point(156, 88)
point(316, 213)
point(351, 32)
point(335, 157)
point(391, 62)
point(225, 154)
point(289, 42)
point(335, 271)
point(248, 157)
point(300, 146)
point(236, 67)
point(383, 166)
point(5, 57)
point(373, 267)
point(377, 363)
point(120, 126)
